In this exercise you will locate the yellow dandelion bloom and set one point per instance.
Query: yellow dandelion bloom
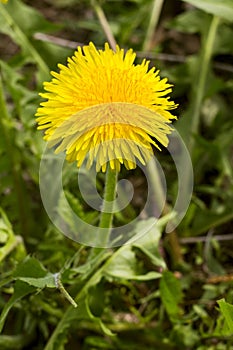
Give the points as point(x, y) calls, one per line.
point(104, 108)
point(4, 1)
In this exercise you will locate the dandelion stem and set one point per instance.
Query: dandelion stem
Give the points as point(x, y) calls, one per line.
point(104, 24)
point(109, 196)
point(155, 14)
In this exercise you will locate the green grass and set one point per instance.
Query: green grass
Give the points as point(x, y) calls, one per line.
point(166, 291)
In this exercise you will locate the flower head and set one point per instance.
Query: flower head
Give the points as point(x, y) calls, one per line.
point(104, 108)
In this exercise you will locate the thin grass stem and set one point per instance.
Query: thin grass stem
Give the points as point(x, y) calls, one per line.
point(104, 24)
point(199, 89)
point(154, 19)
point(159, 197)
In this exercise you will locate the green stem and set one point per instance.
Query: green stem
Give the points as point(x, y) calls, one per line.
point(109, 196)
point(155, 14)
point(198, 95)
point(104, 24)
point(63, 291)
point(51, 310)
point(199, 89)
point(198, 92)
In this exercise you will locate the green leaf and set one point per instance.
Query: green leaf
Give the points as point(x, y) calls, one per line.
point(227, 311)
point(123, 264)
point(66, 213)
point(30, 267)
point(193, 21)
point(212, 263)
point(206, 219)
point(74, 317)
point(148, 244)
point(221, 8)
point(18, 20)
point(47, 281)
point(21, 289)
point(26, 17)
point(184, 336)
point(171, 294)
point(19, 93)
point(96, 320)
point(96, 342)
point(33, 272)
point(16, 342)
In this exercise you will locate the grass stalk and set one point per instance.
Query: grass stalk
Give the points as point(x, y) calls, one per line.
point(154, 19)
point(171, 239)
point(200, 87)
point(104, 24)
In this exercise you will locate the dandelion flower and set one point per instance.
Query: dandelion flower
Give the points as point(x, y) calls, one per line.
point(103, 108)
